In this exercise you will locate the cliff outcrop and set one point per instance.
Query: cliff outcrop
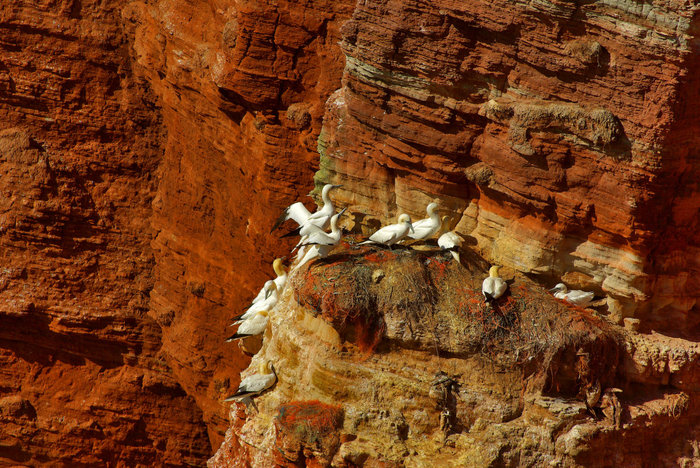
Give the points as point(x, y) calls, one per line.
point(146, 148)
point(394, 359)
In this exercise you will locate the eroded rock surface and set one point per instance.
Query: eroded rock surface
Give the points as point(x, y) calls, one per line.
point(555, 133)
point(147, 146)
point(447, 380)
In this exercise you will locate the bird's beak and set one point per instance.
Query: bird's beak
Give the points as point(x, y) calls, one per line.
point(553, 289)
point(267, 293)
point(336, 186)
point(342, 211)
point(410, 226)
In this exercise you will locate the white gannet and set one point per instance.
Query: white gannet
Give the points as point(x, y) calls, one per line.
point(449, 240)
point(303, 217)
point(280, 281)
point(428, 227)
point(253, 326)
point(255, 384)
point(266, 304)
point(319, 244)
point(576, 297)
point(493, 287)
point(391, 234)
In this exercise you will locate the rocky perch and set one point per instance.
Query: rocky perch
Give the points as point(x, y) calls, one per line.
point(392, 358)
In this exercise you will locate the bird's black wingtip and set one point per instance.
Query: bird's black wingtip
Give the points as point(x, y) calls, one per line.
point(238, 396)
point(282, 218)
point(237, 336)
point(294, 232)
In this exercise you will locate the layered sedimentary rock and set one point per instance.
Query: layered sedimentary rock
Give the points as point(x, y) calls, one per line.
point(147, 146)
point(393, 359)
point(557, 134)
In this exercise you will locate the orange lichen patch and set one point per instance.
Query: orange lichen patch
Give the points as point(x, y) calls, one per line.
point(309, 421)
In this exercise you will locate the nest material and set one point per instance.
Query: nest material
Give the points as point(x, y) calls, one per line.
point(438, 306)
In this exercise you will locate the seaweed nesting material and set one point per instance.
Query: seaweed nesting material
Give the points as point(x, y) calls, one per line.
point(340, 292)
point(310, 421)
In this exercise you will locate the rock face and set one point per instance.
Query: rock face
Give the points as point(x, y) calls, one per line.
point(145, 150)
point(147, 146)
point(556, 133)
point(428, 374)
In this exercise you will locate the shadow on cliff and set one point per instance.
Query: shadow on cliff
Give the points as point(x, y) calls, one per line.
point(30, 337)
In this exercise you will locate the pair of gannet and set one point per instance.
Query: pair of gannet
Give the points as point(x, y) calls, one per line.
point(393, 233)
point(576, 297)
point(265, 305)
point(305, 219)
point(255, 384)
point(318, 244)
point(493, 287)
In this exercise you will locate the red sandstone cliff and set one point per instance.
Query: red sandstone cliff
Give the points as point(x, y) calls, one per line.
point(146, 147)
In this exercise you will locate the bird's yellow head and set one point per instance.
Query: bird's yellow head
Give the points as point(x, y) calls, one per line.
point(279, 267)
point(493, 271)
point(445, 224)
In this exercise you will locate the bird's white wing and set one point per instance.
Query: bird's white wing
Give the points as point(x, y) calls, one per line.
point(298, 212)
point(319, 237)
point(281, 281)
point(500, 287)
point(386, 234)
point(253, 326)
point(580, 297)
point(261, 295)
point(424, 229)
point(487, 286)
point(449, 240)
point(251, 385)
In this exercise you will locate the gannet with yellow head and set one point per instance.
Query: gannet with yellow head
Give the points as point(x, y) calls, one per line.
point(493, 287)
point(450, 240)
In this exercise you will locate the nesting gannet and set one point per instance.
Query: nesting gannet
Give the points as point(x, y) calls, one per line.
point(280, 281)
point(451, 242)
point(428, 227)
point(253, 326)
point(266, 304)
point(493, 287)
point(576, 297)
point(319, 244)
point(320, 237)
point(255, 384)
point(303, 217)
point(391, 234)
